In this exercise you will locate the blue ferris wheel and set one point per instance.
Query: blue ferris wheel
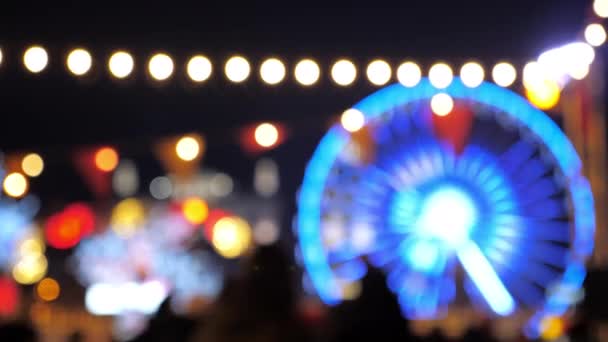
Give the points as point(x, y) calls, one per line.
point(488, 207)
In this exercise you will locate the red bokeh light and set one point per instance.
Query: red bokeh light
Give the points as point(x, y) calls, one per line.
point(65, 229)
point(9, 297)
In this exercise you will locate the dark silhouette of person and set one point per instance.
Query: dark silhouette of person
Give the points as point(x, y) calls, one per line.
point(17, 331)
point(167, 326)
point(261, 306)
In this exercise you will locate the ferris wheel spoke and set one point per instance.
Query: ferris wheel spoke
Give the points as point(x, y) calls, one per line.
point(485, 279)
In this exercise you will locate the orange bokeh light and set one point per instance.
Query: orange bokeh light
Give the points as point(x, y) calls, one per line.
point(106, 159)
point(65, 229)
point(48, 289)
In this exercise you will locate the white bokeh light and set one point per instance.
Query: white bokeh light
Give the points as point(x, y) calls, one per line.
point(352, 120)
point(266, 232)
point(504, 74)
point(441, 75)
point(307, 72)
point(160, 67)
point(595, 34)
point(472, 74)
point(121, 64)
point(442, 104)
point(199, 68)
point(79, 62)
point(343, 72)
point(237, 69)
point(600, 7)
point(378, 72)
point(161, 188)
point(409, 74)
point(35, 59)
point(272, 71)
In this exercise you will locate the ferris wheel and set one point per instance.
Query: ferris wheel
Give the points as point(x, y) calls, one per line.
point(485, 205)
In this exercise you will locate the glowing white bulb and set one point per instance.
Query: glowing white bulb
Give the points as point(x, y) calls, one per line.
point(344, 72)
point(442, 104)
point(160, 67)
point(379, 72)
point(352, 120)
point(35, 59)
point(409, 74)
point(504, 74)
point(595, 34)
point(199, 68)
point(79, 62)
point(307, 72)
point(440, 75)
point(472, 74)
point(272, 71)
point(121, 64)
point(237, 69)
point(600, 7)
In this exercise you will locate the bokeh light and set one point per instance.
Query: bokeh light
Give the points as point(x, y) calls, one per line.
point(442, 104)
point(30, 269)
point(220, 185)
point(266, 134)
point(121, 64)
point(544, 94)
point(195, 210)
point(199, 68)
point(48, 289)
point(125, 180)
point(106, 159)
point(272, 71)
point(472, 74)
point(32, 245)
point(441, 75)
point(266, 232)
point(15, 185)
point(352, 120)
point(161, 188)
point(595, 34)
point(504, 74)
point(409, 74)
point(128, 216)
point(579, 72)
point(79, 62)
point(266, 177)
point(9, 297)
point(600, 7)
point(237, 69)
point(231, 236)
point(307, 72)
point(65, 229)
point(187, 148)
point(378, 72)
point(343, 72)
point(160, 67)
point(35, 59)
point(551, 328)
point(1, 57)
point(32, 165)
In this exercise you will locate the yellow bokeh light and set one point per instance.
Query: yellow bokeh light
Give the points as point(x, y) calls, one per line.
point(442, 104)
point(551, 328)
point(106, 159)
point(272, 71)
point(266, 134)
point(30, 269)
point(121, 64)
point(409, 74)
point(32, 165)
point(128, 216)
point(352, 120)
point(595, 34)
point(160, 67)
point(31, 246)
point(187, 148)
point(35, 59)
point(343, 72)
point(307, 72)
point(600, 7)
point(48, 289)
point(544, 94)
point(237, 69)
point(504, 74)
point(378, 72)
point(15, 185)
point(195, 210)
point(199, 68)
point(441, 75)
point(79, 62)
point(231, 236)
point(472, 74)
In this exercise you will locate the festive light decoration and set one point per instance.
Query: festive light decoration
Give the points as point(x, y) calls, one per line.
point(35, 59)
point(199, 68)
point(344, 72)
point(409, 74)
point(160, 67)
point(472, 74)
point(237, 69)
point(307, 72)
point(378, 72)
point(272, 71)
point(428, 208)
point(504, 74)
point(440, 75)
